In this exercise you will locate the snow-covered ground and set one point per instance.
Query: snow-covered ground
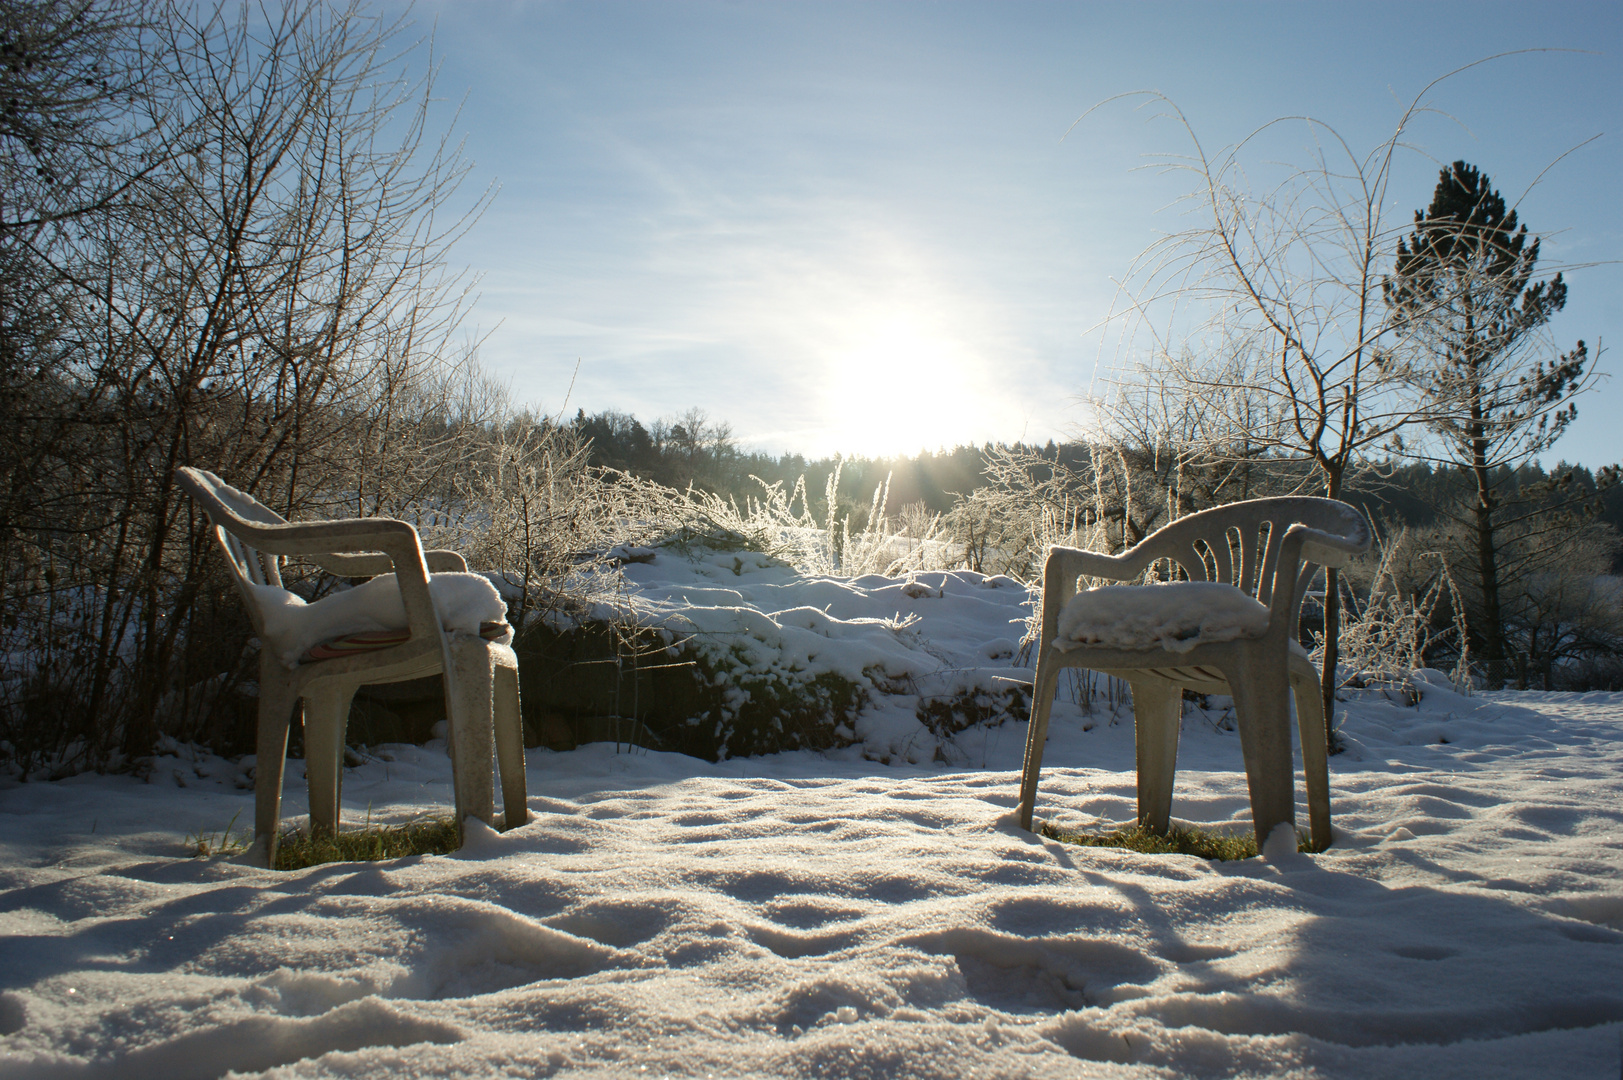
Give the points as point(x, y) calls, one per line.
point(825, 915)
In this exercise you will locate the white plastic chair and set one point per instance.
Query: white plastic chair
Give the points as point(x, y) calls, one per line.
point(480, 673)
point(1266, 549)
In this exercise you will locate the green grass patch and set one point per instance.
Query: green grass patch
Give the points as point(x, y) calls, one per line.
point(296, 849)
point(436, 836)
point(1210, 844)
point(206, 845)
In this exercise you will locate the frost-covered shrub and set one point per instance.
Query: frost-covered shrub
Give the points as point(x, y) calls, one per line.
point(672, 693)
point(947, 715)
point(1565, 623)
point(1600, 671)
point(749, 712)
point(780, 522)
point(1401, 612)
point(724, 652)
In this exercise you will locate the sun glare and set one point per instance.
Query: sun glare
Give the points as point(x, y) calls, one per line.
point(899, 388)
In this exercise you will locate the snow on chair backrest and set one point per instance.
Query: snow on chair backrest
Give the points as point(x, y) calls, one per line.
point(225, 505)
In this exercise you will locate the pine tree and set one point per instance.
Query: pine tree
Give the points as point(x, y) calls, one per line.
point(1494, 390)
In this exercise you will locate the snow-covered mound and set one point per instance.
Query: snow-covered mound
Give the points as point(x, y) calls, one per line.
point(818, 914)
point(932, 637)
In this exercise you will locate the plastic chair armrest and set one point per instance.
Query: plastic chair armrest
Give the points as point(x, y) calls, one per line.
point(445, 561)
point(397, 539)
point(1330, 549)
point(1073, 562)
point(311, 538)
point(1305, 545)
point(353, 564)
point(1060, 571)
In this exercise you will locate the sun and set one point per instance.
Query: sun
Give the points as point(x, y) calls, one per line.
point(901, 386)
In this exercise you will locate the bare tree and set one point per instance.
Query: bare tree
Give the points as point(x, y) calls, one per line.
point(1568, 609)
point(71, 76)
point(695, 450)
point(258, 305)
point(1267, 313)
point(71, 72)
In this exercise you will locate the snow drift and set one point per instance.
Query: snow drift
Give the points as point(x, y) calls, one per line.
point(821, 914)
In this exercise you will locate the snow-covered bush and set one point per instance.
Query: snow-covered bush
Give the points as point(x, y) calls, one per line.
point(1401, 613)
point(599, 679)
point(1566, 628)
point(723, 653)
point(780, 521)
point(976, 704)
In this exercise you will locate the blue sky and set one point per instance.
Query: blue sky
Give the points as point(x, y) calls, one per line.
point(863, 228)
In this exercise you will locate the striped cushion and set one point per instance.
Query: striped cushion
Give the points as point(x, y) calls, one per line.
point(371, 641)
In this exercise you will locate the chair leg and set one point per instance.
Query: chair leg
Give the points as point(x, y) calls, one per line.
point(1042, 702)
point(1262, 707)
point(471, 714)
point(276, 705)
point(510, 746)
point(1315, 757)
point(1157, 710)
point(326, 717)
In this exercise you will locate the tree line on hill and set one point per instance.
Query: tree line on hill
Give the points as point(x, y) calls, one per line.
point(1393, 490)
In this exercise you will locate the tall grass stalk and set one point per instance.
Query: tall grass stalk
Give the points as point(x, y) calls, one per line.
point(205, 845)
point(1392, 629)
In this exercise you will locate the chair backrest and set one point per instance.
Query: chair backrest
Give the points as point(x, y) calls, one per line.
point(226, 506)
point(256, 539)
point(1238, 544)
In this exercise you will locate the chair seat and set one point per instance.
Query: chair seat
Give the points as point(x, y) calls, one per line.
point(383, 639)
point(1208, 679)
point(294, 629)
point(1176, 616)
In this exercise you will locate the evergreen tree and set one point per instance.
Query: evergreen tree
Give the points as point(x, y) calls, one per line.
point(1494, 390)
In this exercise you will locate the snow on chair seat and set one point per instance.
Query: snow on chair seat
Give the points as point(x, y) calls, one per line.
point(1175, 615)
point(401, 625)
point(292, 627)
point(1231, 627)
